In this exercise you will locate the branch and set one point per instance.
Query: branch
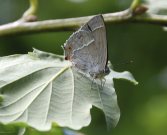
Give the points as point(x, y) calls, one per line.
point(134, 14)
point(30, 14)
point(151, 19)
point(21, 27)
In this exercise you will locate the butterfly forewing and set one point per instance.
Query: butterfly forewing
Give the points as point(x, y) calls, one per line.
point(76, 40)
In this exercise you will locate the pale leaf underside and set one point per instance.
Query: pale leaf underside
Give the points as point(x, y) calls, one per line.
point(40, 88)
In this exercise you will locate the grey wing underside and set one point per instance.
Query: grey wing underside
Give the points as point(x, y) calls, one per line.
point(89, 46)
point(94, 53)
point(79, 39)
point(85, 58)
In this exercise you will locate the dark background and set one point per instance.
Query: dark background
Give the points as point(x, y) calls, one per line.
point(143, 107)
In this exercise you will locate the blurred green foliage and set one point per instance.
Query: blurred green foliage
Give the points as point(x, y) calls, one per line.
point(143, 107)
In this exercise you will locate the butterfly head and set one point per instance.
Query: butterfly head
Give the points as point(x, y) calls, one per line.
point(67, 51)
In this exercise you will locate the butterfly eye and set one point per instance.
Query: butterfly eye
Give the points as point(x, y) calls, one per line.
point(69, 48)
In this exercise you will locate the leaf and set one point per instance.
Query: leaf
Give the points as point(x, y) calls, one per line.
point(157, 6)
point(21, 131)
point(40, 88)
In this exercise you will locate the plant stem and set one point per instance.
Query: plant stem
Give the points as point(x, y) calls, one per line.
point(134, 4)
point(32, 9)
point(22, 27)
point(71, 24)
point(151, 19)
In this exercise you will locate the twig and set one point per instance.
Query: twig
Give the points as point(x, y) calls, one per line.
point(21, 27)
point(71, 24)
point(134, 4)
point(30, 14)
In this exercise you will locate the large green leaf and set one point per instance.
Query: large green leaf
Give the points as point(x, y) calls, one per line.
point(40, 88)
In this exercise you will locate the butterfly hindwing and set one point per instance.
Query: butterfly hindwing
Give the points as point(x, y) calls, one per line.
point(86, 59)
point(97, 28)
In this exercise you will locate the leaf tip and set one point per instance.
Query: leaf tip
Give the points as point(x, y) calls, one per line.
point(135, 82)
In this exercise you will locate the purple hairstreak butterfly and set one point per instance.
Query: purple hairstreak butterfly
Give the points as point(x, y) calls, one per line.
point(87, 48)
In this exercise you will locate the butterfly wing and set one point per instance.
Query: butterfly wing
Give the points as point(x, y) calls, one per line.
point(89, 46)
point(77, 40)
point(85, 59)
point(97, 29)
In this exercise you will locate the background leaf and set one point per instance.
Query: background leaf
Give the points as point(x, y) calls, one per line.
point(39, 88)
point(157, 6)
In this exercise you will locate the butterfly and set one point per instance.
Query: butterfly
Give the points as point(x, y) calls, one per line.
point(87, 48)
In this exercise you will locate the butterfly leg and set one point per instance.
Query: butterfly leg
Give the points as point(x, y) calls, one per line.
point(82, 76)
point(92, 82)
point(103, 81)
